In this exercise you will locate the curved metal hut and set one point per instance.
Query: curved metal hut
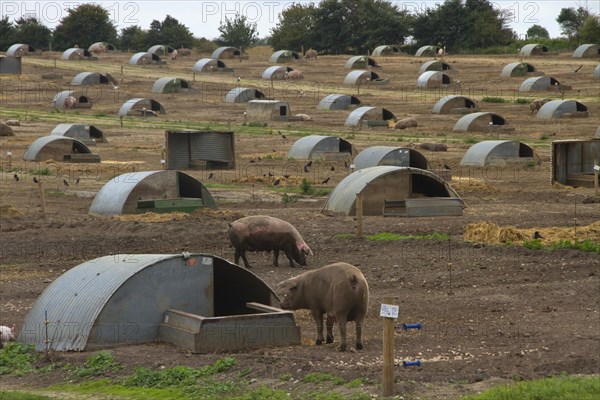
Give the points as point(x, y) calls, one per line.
point(339, 102)
point(156, 191)
point(20, 50)
point(386, 50)
point(538, 83)
point(433, 79)
point(499, 153)
point(361, 62)
point(434, 65)
point(479, 122)
point(141, 107)
point(587, 51)
point(88, 134)
point(455, 104)
point(107, 46)
point(210, 65)
point(76, 54)
point(517, 69)
point(363, 77)
point(59, 148)
point(597, 72)
point(276, 72)
point(533, 49)
point(371, 116)
point(89, 78)
point(563, 109)
point(389, 155)
point(185, 299)
point(71, 99)
point(243, 95)
point(169, 84)
point(223, 53)
point(145, 58)
point(317, 147)
point(160, 49)
point(284, 55)
point(427, 51)
point(400, 191)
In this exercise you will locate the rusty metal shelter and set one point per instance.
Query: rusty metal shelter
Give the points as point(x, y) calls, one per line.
point(141, 107)
point(394, 191)
point(10, 65)
point(59, 148)
point(88, 134)
point(192, 149)
point(519, 69)
point(563, 109)
point(573, 161)
point(455, 104)
point(199, 302)
point(499, 153)
point(268, 110)
point(317, 147)
point(151, 191)
point(389, 155)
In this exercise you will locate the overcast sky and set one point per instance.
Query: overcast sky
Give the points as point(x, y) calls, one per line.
point(203, 17)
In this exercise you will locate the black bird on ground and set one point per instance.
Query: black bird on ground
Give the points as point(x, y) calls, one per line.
point(346, 164)
point(36, 180)
point(16, 177)
point(286, 176)
point(279, 133)
point(270, 174)
point(536, 235)
point(77, 181)
point(326, 180)
point(65, 183)
point(446, 166)
point(277, 182)
point(307, 168)
point(332, 168)
point(284, 137)
point(210, 176)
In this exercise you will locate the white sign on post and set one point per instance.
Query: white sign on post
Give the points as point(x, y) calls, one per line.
point(389, 311)
point(597, 167)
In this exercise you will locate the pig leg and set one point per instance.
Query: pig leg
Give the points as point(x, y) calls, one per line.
point(359, 342)
point(341, 320)
point(276, 257)
point(241, 253)
point(318, 317)
point(290, 256)
point(329, 325)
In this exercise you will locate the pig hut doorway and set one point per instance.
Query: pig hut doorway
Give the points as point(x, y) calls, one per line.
point(185, 299)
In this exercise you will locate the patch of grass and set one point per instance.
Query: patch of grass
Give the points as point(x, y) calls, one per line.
point(285, 377)
point(221, 186)
point(319, 377)
point(555, 388)
point(521, 100)
point(533, 244)
point(470, 140)
point(273, 157)
point(255, 124)
point(55, 193)
point(98, 364)
point(584, 245)
point(306, 186)
point(17, 359)
point(100, 115)
point(544, 137)
point(21, 396)
point(494, 100)
point(286, 198)
point(41, 172)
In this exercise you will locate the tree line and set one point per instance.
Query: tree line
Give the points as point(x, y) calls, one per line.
point(331, 26)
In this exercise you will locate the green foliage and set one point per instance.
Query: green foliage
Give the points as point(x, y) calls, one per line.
point(238, 32)
point(522, 101)
point(21, 396)
point(33, 32)
point(133, 38)
point(470, 140)
point(41, 172)
point(589, 32)
point(295, 28)
point(17, 359)
point(555, 388)
point(83, 26)
point(494, 100)
point(571, 19)
point(7, 33)
point(534, 244)
point(306, 186)
point(286, 198)
point(537, 32)
point(169, 32)
point(98, 364)
point(584, 245)
point(256, 124)
point(318, 377)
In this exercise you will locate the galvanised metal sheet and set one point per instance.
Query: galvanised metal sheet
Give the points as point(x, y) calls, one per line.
point(212, 146)
point(587, 50)
point(178, 150)
point(19, 50)
point(555, 108)
point(389, 155)
point(303, 148)
point(33, 151)
point(112, 196)
point(242, 95)
point(482, 153)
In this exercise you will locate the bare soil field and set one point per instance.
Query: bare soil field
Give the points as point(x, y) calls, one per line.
point(491, 312)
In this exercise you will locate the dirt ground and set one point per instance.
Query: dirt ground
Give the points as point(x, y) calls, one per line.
point(491, 313)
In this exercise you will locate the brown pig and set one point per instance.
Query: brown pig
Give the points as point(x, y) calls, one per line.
point(338, 290)
point(264, 233)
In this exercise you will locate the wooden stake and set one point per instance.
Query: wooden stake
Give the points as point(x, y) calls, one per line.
point(388, 352)
point(42, 199)
point(596, 177)
point(359, 215)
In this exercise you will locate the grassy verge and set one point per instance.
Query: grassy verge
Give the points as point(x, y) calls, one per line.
point(556, 388)
point(10, 395)
point(583, 245)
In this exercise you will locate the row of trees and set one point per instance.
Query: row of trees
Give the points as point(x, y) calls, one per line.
point(332, 26)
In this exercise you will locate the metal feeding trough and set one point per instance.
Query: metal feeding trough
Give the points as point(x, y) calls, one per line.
point(199, 302)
